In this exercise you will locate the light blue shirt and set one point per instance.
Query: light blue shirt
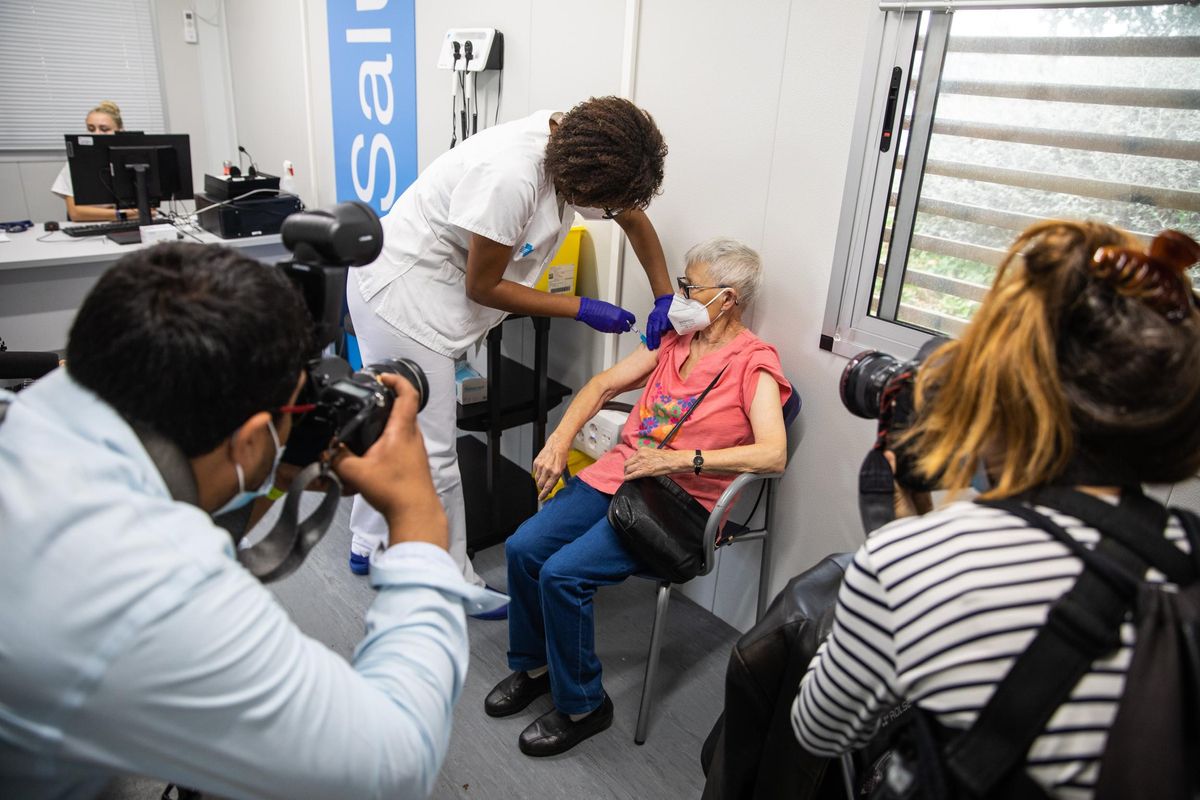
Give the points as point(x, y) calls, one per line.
point(131, 640)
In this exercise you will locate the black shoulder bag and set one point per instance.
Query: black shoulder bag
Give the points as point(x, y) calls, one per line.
point(661, 523)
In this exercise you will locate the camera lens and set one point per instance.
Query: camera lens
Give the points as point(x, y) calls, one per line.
point(863, 381)
point(409, 370)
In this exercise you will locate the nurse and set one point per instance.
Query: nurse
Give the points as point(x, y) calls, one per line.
point(101, 120)
point(467, 240)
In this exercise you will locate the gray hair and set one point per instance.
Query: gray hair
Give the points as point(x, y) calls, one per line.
point(730, 263)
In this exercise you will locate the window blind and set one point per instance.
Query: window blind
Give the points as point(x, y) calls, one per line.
point(60, 58)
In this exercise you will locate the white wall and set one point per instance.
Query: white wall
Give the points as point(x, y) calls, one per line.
point(537, 37)
point(756, 111)
point(756, 102)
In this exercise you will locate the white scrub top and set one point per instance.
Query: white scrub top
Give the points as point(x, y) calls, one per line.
point(62, 184)
point(494, 184)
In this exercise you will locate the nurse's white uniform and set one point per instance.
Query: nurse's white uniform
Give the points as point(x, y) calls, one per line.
point(412, 302)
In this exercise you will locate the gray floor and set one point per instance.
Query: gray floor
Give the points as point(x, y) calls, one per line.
point(328, 602)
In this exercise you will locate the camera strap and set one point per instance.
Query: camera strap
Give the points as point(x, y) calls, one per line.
point(284, 548)
point(876, 491)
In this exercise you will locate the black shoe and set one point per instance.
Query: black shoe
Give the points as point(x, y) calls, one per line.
point(514, 693)
point(554, 732)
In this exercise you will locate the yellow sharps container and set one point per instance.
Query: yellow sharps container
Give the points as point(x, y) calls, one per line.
point(561, 274)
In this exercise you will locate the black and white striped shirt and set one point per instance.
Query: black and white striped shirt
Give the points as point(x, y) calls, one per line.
point(934, 609)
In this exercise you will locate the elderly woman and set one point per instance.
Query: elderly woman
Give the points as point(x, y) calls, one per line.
point(558, 558)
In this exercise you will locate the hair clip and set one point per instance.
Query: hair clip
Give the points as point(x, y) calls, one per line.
point(1157, 277)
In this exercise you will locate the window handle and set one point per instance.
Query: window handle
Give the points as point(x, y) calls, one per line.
point(889, 112)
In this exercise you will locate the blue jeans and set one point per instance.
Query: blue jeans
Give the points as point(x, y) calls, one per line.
point(556, 561)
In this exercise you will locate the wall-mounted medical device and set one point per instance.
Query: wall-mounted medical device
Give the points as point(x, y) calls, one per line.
point(467, 53)
point(472, 50)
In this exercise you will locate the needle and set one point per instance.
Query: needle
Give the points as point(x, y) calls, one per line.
point(641, 335)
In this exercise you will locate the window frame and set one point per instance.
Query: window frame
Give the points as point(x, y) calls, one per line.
point(848, 328)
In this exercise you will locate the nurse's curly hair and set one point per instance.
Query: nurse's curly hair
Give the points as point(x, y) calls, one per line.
point(607, 153)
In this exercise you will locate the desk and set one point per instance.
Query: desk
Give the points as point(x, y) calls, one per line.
point(42, 284)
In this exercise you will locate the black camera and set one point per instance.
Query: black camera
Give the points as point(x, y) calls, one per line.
point(876, 385)
point(346, 407)
point(349, 408)
point(341, 406)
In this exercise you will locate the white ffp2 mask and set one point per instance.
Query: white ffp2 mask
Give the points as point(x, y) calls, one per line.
point(689, 315)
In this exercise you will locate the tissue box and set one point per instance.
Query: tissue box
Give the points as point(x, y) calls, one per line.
point(469, 385)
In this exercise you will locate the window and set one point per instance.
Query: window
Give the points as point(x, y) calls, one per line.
point(60, 58)
point(1003, 116)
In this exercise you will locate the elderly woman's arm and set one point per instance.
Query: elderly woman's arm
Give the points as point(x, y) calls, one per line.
point(767, 454)
point(630, 372)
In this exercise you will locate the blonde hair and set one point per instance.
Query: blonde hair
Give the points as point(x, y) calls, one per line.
point(1057, 364)
point(111, 109)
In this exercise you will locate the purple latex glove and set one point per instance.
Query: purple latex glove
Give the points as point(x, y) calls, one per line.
point(658, 323)
point(604, 317)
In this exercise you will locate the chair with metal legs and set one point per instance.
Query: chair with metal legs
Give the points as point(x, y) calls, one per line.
point(729, 534)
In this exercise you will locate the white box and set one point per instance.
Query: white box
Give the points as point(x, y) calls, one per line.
point(163, 232)
point(601, 433)
point(469, 385)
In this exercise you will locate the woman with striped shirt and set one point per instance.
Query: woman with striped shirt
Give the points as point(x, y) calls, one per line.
point(1081, 367)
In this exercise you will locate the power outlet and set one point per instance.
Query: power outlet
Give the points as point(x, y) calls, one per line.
point(601, 433)
point(190, 35)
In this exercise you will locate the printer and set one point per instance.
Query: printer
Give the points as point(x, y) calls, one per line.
point(237, 207)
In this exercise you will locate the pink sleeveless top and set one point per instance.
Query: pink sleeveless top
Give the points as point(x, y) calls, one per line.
point(721, 421)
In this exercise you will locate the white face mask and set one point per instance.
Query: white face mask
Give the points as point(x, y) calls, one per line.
point(689, 315)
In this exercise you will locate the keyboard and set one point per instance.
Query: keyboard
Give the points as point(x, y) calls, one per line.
point(101, 228)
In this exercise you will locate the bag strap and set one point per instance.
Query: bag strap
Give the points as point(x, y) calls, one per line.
point(670, 435)
point(1137, 524)
point(1191, 527)
point(1082, 626)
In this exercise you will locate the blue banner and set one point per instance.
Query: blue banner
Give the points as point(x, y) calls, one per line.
point(372, 65)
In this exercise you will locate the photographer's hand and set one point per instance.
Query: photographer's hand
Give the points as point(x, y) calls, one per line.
point(394, 475)
point(905, 501)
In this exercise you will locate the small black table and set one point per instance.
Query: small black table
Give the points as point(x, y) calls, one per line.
point(500, 494)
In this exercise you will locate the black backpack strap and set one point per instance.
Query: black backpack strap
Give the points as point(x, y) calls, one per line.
point(1081, 626)
point(1191, 527)
point(1137, 524)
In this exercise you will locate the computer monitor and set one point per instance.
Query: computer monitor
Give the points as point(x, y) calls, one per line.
point(130, 170)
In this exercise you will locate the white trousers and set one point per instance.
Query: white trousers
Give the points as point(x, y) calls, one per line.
point(438, 422)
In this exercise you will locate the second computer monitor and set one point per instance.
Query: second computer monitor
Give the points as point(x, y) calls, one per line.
point(130, 170)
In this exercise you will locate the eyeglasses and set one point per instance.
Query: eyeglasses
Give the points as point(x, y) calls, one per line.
point(16, 227)
point(1158, 278)
point(688, 288)
point(610, 213)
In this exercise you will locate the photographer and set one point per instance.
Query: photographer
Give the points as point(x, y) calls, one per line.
point(131, 639)
point(1080, 369)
